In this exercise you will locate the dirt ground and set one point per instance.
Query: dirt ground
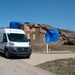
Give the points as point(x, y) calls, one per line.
point(17, 66)
point(41, 58)
point(23, 66)
point(41, 48)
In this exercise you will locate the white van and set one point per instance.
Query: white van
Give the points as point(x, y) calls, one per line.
point(14, 42)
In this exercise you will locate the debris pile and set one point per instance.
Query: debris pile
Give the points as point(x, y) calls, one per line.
point(67, 38)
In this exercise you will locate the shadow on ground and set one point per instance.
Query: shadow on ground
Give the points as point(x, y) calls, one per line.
point(2, 55)
point(13, 57)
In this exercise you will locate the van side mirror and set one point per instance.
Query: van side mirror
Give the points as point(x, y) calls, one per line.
point(29, 40)
point(4, 40)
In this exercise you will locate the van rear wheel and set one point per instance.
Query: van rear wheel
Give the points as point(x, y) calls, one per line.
point(7, 54)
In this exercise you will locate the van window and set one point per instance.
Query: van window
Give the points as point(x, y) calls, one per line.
point(17, 37)
point(4, 38)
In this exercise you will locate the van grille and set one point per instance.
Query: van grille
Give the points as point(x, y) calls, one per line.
point(25, 49)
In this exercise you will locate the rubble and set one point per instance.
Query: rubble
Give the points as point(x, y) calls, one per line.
point(67, 38)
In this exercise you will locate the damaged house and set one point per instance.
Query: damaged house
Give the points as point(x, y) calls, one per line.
point(35, 32)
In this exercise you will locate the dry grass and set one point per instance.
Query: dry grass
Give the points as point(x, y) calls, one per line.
point(60, 67)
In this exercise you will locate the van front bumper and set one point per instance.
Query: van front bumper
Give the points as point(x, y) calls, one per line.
point(20, 51)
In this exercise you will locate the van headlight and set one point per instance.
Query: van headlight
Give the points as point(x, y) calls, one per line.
point(29, 44)
point(11, 43)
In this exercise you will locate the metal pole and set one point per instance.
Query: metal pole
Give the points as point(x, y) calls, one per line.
point(47, 47)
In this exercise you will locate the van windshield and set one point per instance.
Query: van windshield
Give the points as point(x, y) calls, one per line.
point(17, 37)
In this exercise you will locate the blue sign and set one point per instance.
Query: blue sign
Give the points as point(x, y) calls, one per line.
point(52, 36)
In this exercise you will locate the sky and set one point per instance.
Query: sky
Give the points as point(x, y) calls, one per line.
point(56, 13)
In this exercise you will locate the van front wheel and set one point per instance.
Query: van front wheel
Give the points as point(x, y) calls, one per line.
point(28, 56)
point(7, 54)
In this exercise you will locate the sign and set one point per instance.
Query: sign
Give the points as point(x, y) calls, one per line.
point(52, 36)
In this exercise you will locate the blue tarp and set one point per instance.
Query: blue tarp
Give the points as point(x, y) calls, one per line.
point(52, 36)
point(15, 25)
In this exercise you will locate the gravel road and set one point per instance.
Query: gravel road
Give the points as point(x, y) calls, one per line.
point(22, 66)
point(19, 67)
point(41, 58)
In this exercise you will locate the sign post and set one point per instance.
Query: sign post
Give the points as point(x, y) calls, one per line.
point(47, 47)
point(51, 36)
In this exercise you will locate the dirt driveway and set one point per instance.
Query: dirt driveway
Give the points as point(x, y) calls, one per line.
point(25, 66)
point(19, 67)
point(40, 58)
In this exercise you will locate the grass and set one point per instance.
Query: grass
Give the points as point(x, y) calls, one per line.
point(60, 66)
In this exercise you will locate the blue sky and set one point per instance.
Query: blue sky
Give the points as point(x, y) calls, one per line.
point(57, 13)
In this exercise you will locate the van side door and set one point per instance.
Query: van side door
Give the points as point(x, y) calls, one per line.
point(3, 43)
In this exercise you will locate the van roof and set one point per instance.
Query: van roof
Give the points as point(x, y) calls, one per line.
point(11, 30)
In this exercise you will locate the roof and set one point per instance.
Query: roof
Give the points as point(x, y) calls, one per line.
point(31, 25)
point(47, 26)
